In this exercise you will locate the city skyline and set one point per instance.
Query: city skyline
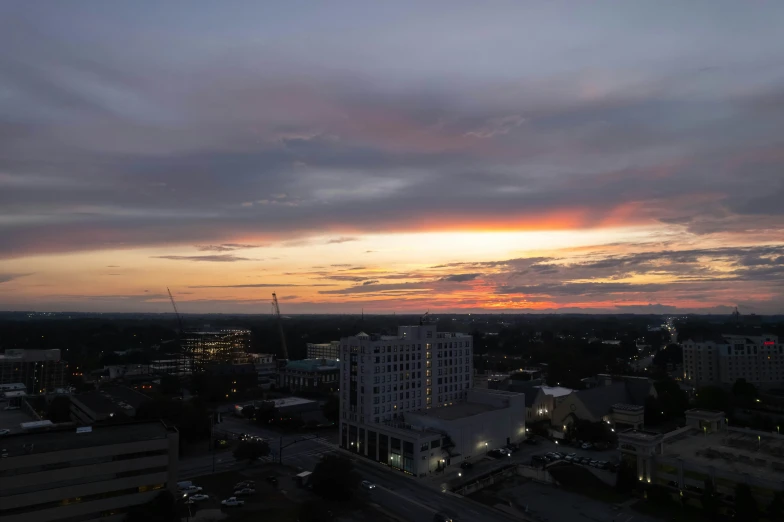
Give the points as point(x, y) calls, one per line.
point(440, 155)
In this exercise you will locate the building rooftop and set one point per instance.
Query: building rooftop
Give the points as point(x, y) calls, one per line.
point(12, 419)
point(67, 439)
point(291, 401)
point(555, 391)
point(627, 407)
point(456, 411)
point(742, 451)
point(704, 414)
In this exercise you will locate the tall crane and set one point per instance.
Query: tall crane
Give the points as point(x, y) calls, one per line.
point(284, 350)
point(177, 313)
point(423, 318)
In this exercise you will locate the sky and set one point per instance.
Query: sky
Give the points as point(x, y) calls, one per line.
point(451, 156)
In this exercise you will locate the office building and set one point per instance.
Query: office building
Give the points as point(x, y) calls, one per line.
point(110, 402)
point(78, 474)
point(707, 449)
point(725, 359)
point(310, 374)
point(407, 401)
point(41, 371)
point(204, 347)
point(324, 350)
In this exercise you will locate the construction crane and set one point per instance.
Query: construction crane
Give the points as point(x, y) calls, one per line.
point(283, 348)
point(423, 318)
point(177, 313)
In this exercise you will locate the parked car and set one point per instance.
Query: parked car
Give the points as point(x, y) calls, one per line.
point(191, 489)
point(244, 491)
point(442, 517)
point(530, 440)
point(232, 502)
point(587, 446)
point(198, 496)
point(368, 485)
point(603, 464)
point(466, 465)
point(496, 454)
point(5, 431)
point(570, 457)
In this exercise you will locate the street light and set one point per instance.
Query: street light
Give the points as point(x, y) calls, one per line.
point(459, 474)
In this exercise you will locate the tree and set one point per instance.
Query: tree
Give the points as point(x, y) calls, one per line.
point(776, 508)
point(744, 392)
point(745, 505)
point(674, 401)
point(249, 411)
point(331, 408)
point(170, 385)
point(251, 450)
point(710, 503)
point(712, 398)
point(59, 409)
point(334, 478)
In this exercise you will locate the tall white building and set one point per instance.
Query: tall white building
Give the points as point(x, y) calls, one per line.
point(407, 401)
point(758, 359)
point(382, 377)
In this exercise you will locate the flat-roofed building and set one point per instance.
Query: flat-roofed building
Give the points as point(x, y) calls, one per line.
point(724, 359)
point(707, 449)
point(40, 371)
point(80, 474)
point(329, 350)
point(310, 374)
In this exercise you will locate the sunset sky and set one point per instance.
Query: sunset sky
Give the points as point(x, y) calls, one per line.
point(392, 156)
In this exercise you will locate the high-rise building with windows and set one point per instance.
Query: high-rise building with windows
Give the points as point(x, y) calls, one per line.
point(41, 371)
point(407, 401)
point(384, 376)
point(723, 360)
point(329, 350)
point(227, 346)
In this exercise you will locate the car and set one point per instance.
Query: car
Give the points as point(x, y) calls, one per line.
point(673, 484)
point(593, 463)
point(587, 446)
point(603, 464)
point(243, 485)
point(584, 460)
point(232, 502)
point(368, 485)
point(272, 479)
point(613, 467)
point(496, 454)
point(191, 489)
point(466, 465)
point(244, 491)
point(197, 497)
point(530, 440)
point(442, 517)
point(5, 431)
point(569, 458)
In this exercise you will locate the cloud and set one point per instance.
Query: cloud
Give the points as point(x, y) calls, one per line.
point(226, 247)
point(460, 278)
point(342, 239)
point(223, 258)
point(257, 285)
point(4, 278)
point(377, 288)
point(370, 282)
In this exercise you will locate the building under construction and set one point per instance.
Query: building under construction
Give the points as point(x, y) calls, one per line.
point(206, 346)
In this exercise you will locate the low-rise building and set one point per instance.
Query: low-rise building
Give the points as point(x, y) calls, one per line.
point(421, 442)
point(330, 350)
point(707, 449)
point(86, 473)
point(619, 402)
point(40, 371)
point(106, 403)
point(543, 401)
point(311, 374)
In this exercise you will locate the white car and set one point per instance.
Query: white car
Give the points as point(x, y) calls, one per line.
point(5, 432)
point(232, 502)
point(368, 485)
point(198, 496)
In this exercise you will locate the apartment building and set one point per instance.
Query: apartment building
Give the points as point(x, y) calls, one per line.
point(41, 371)
point(384, 376)
point(329, 350)
point(205, 347)
point(90, 473)
point(310, 375)
point(408, 401)
point(727, 358)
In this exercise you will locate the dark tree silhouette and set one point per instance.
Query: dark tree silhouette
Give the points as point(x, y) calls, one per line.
point(334, 478)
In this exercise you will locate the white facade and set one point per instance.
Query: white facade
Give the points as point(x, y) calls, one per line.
point(385, 376)
point(758, 359)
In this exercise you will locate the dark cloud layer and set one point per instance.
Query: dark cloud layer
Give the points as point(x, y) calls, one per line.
point(104, 143)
